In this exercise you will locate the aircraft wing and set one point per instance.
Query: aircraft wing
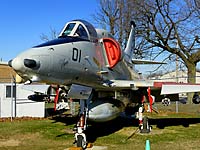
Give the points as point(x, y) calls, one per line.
point(166, 87)
point(131, 83)
point(179, 88)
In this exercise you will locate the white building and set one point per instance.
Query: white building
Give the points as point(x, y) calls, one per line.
point(180, 77)
point(14, 102)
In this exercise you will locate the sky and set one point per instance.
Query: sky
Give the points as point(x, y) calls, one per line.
point(22, 22)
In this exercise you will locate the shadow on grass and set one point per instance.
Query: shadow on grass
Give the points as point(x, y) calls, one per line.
point(164, 122)
point(60, 116)
point(96, 130)
point(104, 129)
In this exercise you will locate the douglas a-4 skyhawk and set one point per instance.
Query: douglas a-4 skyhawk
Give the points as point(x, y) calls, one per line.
point(95, 70)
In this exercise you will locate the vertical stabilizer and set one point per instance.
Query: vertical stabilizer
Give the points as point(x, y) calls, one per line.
point(131, 43)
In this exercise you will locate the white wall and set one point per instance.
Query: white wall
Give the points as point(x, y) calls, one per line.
point(30, 108)
point(24, 107)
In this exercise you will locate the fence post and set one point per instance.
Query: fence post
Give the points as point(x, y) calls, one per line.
point(11, 115)
point(176, 106)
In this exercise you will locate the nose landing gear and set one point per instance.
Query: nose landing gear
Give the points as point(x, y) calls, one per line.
point(81, 126)
point(79, 129)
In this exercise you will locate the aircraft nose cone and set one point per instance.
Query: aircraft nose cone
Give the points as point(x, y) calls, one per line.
point(30, 63)
point(16, 64)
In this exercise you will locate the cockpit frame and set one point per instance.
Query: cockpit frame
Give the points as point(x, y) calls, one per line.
point(81, 29)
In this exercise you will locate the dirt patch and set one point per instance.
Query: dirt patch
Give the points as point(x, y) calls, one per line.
point(13, 142)
point(161, 131)
point(28, 136)
point(68, 131)
point(17, 119)
point(10, 142)
point(127, 131)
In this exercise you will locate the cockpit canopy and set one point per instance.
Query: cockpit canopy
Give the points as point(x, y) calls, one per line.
point(81, 29)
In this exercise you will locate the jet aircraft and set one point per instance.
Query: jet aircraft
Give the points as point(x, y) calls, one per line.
point(95, 70)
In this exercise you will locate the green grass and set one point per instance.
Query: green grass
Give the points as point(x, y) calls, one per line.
point(34, 135)
point(171, 131)
point(172, 137)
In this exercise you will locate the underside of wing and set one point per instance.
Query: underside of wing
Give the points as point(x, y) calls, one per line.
point(131, 83)
point(159, 89)
point(179, 88)
point(141, 86)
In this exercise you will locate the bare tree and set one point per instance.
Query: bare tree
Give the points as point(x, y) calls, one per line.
point(115, 16)
point(107, 15)
point(53, 34)
point(168, 23)
point(163, 26)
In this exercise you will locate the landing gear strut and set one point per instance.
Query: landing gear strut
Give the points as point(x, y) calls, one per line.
point(84, 94)
point(81, 141)
point(80, 137)
point(81, 126)
point(143, 121)
point(145, 127)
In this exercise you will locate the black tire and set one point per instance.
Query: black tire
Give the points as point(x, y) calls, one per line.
point(80, 141)
point(145, 122)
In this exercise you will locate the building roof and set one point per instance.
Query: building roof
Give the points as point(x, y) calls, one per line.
point(6, 73)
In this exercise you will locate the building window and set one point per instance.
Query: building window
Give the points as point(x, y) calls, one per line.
point(8, 91)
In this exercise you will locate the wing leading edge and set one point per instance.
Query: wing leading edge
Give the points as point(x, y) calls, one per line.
point(166, 87)
point(131, 83)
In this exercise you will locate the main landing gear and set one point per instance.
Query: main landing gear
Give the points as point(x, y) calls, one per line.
point(145, 127)
point(143, 121)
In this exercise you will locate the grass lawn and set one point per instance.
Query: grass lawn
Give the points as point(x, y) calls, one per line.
point(34, 135)
point(170, 132)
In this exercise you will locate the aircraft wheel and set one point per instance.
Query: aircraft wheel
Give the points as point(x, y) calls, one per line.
point(145, 122)
point(81, 142)
point(145, 126)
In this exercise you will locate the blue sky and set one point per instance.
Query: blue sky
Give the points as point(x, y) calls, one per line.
point(22, 22)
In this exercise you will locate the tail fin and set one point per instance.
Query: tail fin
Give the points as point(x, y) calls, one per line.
point(130, 44)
